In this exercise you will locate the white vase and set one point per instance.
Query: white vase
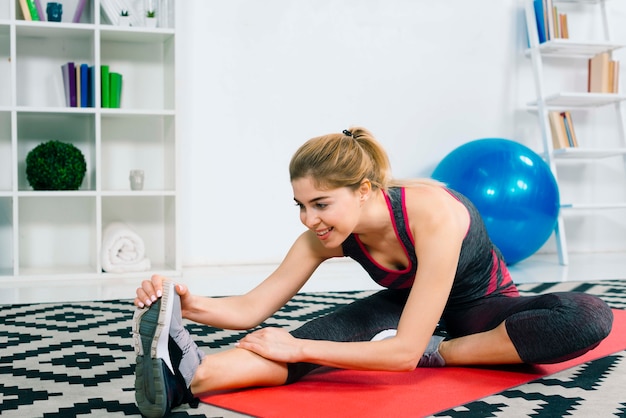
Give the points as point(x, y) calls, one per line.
point(151, 22)
point(124, 21)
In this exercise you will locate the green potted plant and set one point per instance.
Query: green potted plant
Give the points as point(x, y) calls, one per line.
point(151, 20)
point(124, 19)
point(55, 165)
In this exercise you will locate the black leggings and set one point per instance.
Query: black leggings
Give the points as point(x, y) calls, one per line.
point(545, 329)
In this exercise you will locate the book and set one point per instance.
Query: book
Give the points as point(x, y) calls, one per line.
point(69, 83)
point(541, 27)
point(84, 85)
point(557, 127)
point(34, 14)
point(72, 73)
point(116, 90)
point(598, 77)
point(25, 10)
point(40, 10)
point(91, 95)
point(105, 91)
point(79, 11)
point(549, 19)
point(78, 86)
point(65, 71)
point(613, 77)
point(564, 28)
point(569, 127)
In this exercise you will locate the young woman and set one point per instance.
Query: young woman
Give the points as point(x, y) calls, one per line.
point(426, 244)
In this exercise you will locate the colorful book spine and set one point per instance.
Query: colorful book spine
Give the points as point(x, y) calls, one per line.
point(91, 96)
point(25, 10)
point(69, 83)
point(116, 90)
point(559, 134)
point(569, 126)
point(72, 73)
point(78, 87)
point(598, 78)
point(79, 11)
point(84, 85)
point(66, 82)
point(541, 27)
point(34, 14)
point(105, 89)
point(40, 11)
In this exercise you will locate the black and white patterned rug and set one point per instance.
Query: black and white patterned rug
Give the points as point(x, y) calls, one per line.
point(76, 359)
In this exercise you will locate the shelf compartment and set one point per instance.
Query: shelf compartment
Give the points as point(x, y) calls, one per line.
point(153, 218)
point(5, 11)
point(146, 64)
point(5, 67)
point(144, 142)
point(34, 128)
point(567, 48)
point(579, 100)
point(40, 53)
point(6, 236)
point(57, 235)
point(69, 8)
point(587, 153)
point(137, 11)
point(6, 153)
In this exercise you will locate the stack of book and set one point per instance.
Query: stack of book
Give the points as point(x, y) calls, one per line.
point(79, 84)
point(603, 74)
point(550, 23)
point(562, 127)
point(111, 88)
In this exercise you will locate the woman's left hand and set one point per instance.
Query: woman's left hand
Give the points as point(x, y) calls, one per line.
point(274, 344)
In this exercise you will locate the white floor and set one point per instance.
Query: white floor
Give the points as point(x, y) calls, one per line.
point(339, 275)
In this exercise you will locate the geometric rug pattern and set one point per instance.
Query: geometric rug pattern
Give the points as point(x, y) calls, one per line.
point(76, 359)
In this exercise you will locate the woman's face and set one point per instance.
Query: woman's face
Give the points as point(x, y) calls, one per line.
point(332, 214)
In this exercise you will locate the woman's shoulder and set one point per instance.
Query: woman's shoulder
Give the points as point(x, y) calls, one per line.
point(429, 202)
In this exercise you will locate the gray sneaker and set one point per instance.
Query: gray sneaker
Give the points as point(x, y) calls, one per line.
point(431, 356)
point(167, 357)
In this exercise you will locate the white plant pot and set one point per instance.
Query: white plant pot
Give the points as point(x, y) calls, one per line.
point(151, 22)
point(124, 21)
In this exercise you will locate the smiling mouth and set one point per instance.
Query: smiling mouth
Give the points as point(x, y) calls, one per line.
point(322, 233)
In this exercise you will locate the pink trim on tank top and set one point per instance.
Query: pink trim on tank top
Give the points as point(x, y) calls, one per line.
point(395, 230)
point(507, 280)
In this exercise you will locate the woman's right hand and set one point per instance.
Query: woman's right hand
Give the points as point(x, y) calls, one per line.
point(152, 289)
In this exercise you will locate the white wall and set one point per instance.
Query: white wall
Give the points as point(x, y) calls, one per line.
point(258, 78)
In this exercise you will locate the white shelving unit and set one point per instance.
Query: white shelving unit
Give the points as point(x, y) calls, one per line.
point(57, 235)
point(591, 149)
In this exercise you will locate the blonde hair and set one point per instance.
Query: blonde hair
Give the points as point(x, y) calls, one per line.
point(345, 160)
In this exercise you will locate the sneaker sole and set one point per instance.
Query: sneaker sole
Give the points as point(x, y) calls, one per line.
point(151, 346)
point(150, 390)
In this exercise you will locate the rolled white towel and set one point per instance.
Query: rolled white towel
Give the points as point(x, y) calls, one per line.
point(123, 250)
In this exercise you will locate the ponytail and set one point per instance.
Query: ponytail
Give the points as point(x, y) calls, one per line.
point(342, 160)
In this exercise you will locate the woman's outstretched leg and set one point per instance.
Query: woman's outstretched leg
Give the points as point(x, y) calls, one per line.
point(171, 370)
point(235, 369)
point(541, 329)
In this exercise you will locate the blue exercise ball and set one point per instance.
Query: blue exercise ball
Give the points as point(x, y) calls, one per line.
point(513, 189)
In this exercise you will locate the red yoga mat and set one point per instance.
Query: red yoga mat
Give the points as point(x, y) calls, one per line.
point(346, 393)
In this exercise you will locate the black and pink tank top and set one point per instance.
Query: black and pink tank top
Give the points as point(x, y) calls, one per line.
point(481, 270)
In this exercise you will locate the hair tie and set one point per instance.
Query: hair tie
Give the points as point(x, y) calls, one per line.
point(347, 132)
